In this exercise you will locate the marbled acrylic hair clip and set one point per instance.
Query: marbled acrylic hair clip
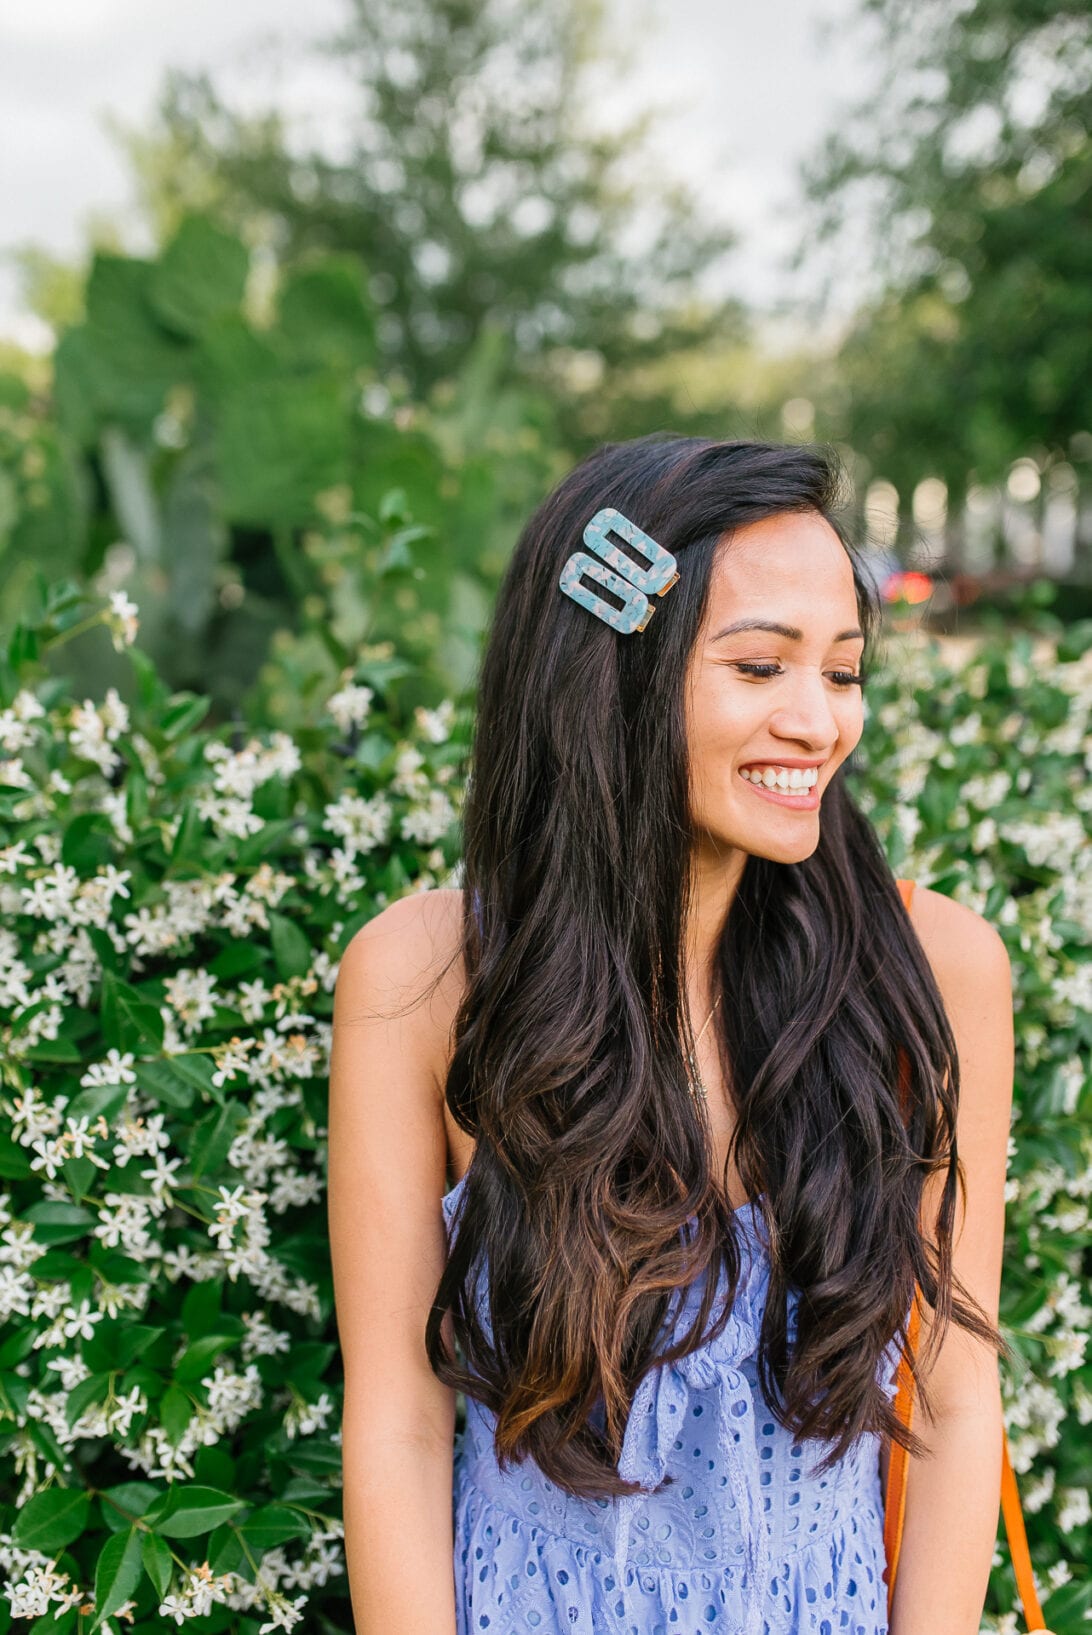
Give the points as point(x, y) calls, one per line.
point(631, 583)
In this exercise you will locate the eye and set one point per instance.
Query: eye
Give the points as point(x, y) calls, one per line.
point(842, 678)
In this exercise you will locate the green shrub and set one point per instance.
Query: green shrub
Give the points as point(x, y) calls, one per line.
point(977, 777)
point(175, 901)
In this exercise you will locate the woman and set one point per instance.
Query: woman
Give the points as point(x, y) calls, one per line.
point(656, 1042)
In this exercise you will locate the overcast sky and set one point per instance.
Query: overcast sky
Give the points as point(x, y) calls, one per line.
point(751, 89)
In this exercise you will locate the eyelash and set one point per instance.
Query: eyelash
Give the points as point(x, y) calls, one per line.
point(767, 670)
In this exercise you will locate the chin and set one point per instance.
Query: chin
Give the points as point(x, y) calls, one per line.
point(782, 848)
point(785, 853)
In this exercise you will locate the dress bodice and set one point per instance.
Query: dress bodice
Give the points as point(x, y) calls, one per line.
point(744, 1500)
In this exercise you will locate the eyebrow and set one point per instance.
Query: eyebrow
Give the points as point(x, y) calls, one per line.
point(788, 630)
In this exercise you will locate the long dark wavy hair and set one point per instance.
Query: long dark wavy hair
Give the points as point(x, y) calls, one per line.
point(569, 1067)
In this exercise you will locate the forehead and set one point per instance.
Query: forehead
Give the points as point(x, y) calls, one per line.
point(793, 564)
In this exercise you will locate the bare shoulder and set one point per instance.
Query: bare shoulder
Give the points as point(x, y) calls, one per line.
point(967, 954)
point(406, 962)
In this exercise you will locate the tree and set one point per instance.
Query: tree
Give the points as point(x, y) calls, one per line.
point(475, 187)
point(969, 164)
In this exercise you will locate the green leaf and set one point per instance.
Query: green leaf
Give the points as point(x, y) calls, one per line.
point(79, 1174)
point(116, 1343)
point(231, 355)
point(309, 1360)
point(14, 1159)
point(187, 1511)
point(201, 1308)
point(58, 1222)
point(226, 1553)
point(373, 750)
point(183, 714)
point(1068, 1605)
point(301, 1490)
point(313, 1455)
point(273, 1524)
point(107, 1099)
point(257, 847)
point(126, 1502)
point(291, 948)
point(131, 1021)
point(189, 837)
point(279, 447)
point(198, 1357)
point(117, 1574)
point(201, 274)
point(237, 959)
point(92, 1389)
point(16, 1348)
point(190, 1068)
point(88, 843)
point(213, 1137)
point(156, 1556)
point(175, 1412)
point(52, 1520)
point(15, 1394)
point(325, 317)
point(213, 1467)
point(150, 689)
point(118, 367)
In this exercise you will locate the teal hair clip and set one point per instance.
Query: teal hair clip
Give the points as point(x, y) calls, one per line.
point(630, 583)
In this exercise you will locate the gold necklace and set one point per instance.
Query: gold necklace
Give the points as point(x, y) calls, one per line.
point(696, 1085)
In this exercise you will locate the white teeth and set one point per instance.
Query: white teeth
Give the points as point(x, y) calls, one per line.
point(799, 779)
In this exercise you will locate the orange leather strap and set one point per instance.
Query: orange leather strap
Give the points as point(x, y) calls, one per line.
point(895, 1504)
point(895, 1497)
point(1018, 1541)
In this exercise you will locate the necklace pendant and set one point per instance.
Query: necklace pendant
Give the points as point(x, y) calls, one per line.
point(696, 1085)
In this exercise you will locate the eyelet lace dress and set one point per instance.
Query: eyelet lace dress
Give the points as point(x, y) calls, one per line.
point(745, 1541)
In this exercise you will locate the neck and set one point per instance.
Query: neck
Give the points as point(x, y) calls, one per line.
point(715, 879)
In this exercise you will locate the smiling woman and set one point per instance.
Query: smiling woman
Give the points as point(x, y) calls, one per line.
point(675, 1315)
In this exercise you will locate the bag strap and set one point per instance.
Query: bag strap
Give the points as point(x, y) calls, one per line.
point(895, 1498)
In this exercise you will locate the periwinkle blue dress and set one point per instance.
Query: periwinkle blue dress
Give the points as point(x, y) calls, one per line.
point(747, 1541)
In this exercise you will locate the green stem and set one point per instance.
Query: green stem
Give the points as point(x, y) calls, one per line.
point(78, 629)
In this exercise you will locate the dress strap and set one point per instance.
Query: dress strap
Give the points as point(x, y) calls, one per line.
point(906, 891)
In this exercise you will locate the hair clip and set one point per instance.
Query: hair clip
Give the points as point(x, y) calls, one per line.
point(631, 583)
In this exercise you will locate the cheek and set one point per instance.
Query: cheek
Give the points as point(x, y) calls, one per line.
point(851, 720)
point(721, 727)
point(717, 725)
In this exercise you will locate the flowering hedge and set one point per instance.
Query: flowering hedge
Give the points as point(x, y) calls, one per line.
point(175, 898)
point(978, 777)
point(174, 902)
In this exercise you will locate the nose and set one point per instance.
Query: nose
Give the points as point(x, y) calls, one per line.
point(805, 714)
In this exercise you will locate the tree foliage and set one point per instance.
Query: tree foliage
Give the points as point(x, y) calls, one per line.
point(969, 165)
point(476, 180)
point(253, 468)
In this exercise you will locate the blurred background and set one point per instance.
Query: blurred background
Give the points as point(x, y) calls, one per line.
point(303, 309)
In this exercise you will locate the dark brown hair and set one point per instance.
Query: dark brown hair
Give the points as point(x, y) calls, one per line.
point(569, 1067)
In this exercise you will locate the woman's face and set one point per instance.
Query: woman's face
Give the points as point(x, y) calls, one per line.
point(799, 709)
